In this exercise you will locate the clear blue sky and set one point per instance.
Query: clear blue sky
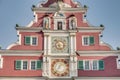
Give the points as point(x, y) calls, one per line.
point(105, 12)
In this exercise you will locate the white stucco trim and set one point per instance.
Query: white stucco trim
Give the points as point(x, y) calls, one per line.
point(20, 53)
point(12, 45)
point(53, 10)
point(90, 29)
point(97, 78)
point(102, 43)
point(1, 62)
point(22, 78)
point(98, 53)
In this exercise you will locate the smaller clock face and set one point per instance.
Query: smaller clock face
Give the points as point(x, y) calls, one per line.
point(60, 67)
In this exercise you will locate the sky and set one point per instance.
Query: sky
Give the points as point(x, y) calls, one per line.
point(106, 12)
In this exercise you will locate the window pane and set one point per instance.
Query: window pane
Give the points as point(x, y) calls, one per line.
point(34, 41)
point(87, 65)
point(39, 64)
point(91, 40)
point(33, 65)
point(18, 65)
point(80, 65)
point(86, 41)
point(95, 65)
point(101, 65)
point(25, 65)
point(27, 40)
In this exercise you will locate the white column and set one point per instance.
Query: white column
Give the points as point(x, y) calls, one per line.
point(45, 42)
point(45, 57)
point(72, 43)
point(44, 66)
point(49, 44)
point(75, 66)
point(71, 66)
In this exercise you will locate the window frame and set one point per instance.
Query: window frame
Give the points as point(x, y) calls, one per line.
point(36, 65)
point(96, 65)
point(82, 67)
point(61, 27)
point(31, 41)
point(21, 65)
point(89, 42)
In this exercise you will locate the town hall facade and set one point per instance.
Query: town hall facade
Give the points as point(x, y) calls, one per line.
point(59, 44)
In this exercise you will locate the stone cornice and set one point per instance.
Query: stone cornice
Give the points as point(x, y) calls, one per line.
point(99, 53)
point(33, 29)
point(89, 29)
point(59, 31)
point(53, 10)
point(80, 29)
point(20, 53)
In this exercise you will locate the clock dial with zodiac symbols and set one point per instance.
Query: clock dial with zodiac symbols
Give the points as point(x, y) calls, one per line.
point(60, 67)
point(59, 45)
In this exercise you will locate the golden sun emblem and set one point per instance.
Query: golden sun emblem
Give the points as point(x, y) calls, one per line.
point(60, 45)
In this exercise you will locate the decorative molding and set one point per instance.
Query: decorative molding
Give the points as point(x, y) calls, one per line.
point(20, 53)
point(90, 29)
point(53, 10)
point(29, 29)
point(98, 53)
point(22, 78)
point(97, 78)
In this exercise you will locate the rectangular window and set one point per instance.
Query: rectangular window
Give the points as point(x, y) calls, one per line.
point(27, 40)
point(25, 65)
point(80, 65)
point(95, 65)
point(59, 24)
point(88, 40)
point(101, 65)
point(91, 65)
point(33, 65)
point(34, 40)
point(87, 65)
point(21, 65)
point(36, 65)
point(30, 40)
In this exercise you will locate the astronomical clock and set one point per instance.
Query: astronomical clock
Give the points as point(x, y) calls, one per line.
point(60, 67)
point(60, 45)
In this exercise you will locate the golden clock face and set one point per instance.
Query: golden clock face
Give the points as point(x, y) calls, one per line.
point(60, 67)
point(59, 45)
